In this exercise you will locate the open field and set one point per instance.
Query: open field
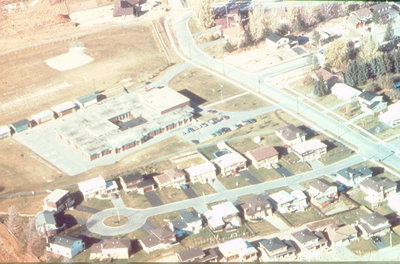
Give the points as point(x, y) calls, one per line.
point(24, 205)
point(232, 182)
point(201, 87)
point(264, 174)
point(135, 200)
point(245, 102)
point(33, 86)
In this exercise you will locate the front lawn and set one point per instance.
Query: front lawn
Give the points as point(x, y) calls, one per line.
point(337, 152)
point(362, 247)
point(292, 163)
point(171, 194)
point(135, 200)
point(263, 228)
point(300, 218)
point(201, 189)
point(264, 174)
point(203, 239)
point(163, 219)
point(350, 217)
point(233, 182)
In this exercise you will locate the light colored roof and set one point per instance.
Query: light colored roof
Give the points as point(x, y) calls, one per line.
point(200, 169)
point(392, 114)
point(263, 153)
point(161, 178)
point(394, 202)
point(93, 183)
point(56, 195)
point(215, 222)
point(43, 114)
point(226, 208)
point(336, 234)
point(282, 197)
point(111, 185)
point(342, 90)
point(4, 129)
point(298, 194)
point(229, 159)
point(63, 107)
point(232, 245)
point(308, 145)
point(320, 184)
point(163, 99)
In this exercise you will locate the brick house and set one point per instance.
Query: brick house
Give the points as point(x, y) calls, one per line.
point(291, 134)
point(129, 182)
point(266, 156)
point(58, 201)
point(256, 208)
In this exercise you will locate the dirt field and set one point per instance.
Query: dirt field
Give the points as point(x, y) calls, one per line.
point(32, 86)
point(10, 249)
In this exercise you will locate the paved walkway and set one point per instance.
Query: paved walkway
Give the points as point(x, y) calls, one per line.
point(218, 186)
point(118, 203)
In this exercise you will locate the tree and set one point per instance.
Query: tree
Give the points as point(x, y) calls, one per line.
point(376, 18)
point(394, 94)
point(385, 63)
point(385, 82)
point(351, 74)
point(256, 23)
point(368, 49)
point(315, 62)
point(228, 47)
point(299, 24)
point(363, 72)
point(389, 32)
point(14, 221)
point(283, 29)
point(320, 88)
point(375, 67)
point(204, 14)
point(396, 61)
point(352, 7)
point(316, 37)
point(337, 54)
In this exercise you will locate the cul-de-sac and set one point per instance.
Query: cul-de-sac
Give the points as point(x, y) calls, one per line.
point(199, 131)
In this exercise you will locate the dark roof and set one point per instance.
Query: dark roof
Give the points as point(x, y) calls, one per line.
point(363, 12)
point(45, 217)
point(374, 219)
point(372, 106)
point(86, 98)
point(21, 123)
point(380, 6)
point(131, 123)
point(179, 224)
point(150, 241)
point(211, 253)
point(274, 37)
point(146, 183)
point(304, 236)
point(321, 184)
point(64, 240)
point(189, 216)
point(367, 95)
point(190, 254)
point(272, 244)
point(133, 177)
point(163, 232)
point(290, 132)
point(264, 152)
point(376, 183)
point(252, 204)
point(350, 173)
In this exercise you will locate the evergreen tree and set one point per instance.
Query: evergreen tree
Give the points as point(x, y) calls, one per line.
point(299, 24)
point(396, 61)
point(316, 37)
point(375, 67)
point(389, 32)
point(320, 88)
point(352, 74)
point(385, 63)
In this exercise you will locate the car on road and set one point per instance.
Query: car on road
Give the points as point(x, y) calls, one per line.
point(225, 117)
point(203, 124)
point(189, 130)
point(218, 133)
point(183, 133)
point(195, 141)
point(250, 121)
point(238, 125)
point(225, 129)
point(213, 135)
point(212, 111)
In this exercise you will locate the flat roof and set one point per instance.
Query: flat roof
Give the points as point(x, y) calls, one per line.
point(232, 245)
point(308, 145)
point(229, 159)
point(4, 129)
point(93, 183)
point(163, 99)
point(43, 114)
point(200, 169)
point(56, 195)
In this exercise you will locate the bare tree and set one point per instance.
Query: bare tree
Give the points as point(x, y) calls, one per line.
point(368, 49)
point(394, 94)
point(385, 82)
point(337, 54)
point(204, 14)
point(14, 221)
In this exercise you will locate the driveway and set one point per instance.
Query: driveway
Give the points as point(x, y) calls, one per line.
point(86, 209)
point(218, 186)
point(153, 198)
point(250, 178)
point(189, 192)
point(148, 226)
point(283, 171)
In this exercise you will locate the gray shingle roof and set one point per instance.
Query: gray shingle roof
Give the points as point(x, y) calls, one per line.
point(273, 244)
point(367, 95)
point(189, 216)
point(191, 254)
point(376, 183)
point(274, 37)
point(321, 184)
point(374, 219)
point(64, 240)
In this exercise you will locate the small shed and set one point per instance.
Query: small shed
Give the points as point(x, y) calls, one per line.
point(86, 100)
point(5, 131)
point(64, 108)
point(20, 125)
point(43, 117)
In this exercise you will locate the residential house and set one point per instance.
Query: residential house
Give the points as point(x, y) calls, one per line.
point(341, 236)
point(160, 238)
point(111, 187)
point(327, 77)
point(291, 134)
point(47, 223)
point(363, 14)
point(20, 125)
point(374, 224)
point(198, 255)
point(5, 131)
point(345, 92)
point(223, 216)
point(147, 185)
point(64, 109)
point(354, 22)
point(394, 203)
point(229, 162)
point(203, 173)
point(58, 201)
point(129, 182)
point(288, 203)
point(126, 8)
point(353, 177)
point(310, 240)
point(309, 150)
point(274, 249)
point(177, 177)
point(92, 188)
point(111, 249)
point(256, 208)
point(276, 41)
point(322, 192)
point(371, 103)
point(162, 180)
point(378, 189)
point(237, 250)
point(66, 246)
point(391, 116)
point(266, 156)
point(382, 9)
point(189, 223)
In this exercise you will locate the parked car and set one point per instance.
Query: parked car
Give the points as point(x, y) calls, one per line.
point(225, 117)
point(218, 133)
point(184, 186)
point(190, 130)
point(238, 125)
point(212, 111)
point(225, 129)
point(195, 141)
point(204, 124)
point(213, 134)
